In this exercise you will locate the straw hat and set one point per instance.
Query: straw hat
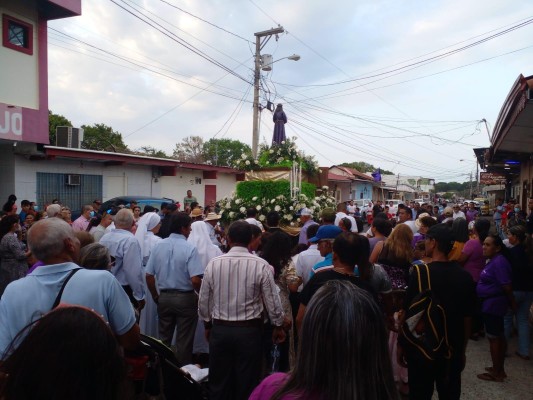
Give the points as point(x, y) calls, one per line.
point(197, 212)
point(212, 217)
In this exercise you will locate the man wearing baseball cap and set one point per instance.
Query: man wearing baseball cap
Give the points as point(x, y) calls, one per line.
point(324, 238)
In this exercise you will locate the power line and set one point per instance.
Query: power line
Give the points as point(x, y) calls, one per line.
point(185, 32)
point(240, 104)
point(424, 61)
point(140, 64)
point(207, 22)
point(149, 69)
point(334, 95)
point(149, 21)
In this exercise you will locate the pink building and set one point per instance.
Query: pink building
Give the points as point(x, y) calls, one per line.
point(23, 60)
point(24, 75)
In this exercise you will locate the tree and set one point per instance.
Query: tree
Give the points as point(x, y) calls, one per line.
point(151, 152)
point(362, 166)
point(55, 120)
point(190, 150)
point(224, 151)
point(104, 138)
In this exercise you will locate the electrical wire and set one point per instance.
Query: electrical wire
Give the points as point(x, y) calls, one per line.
point(241, 102)
point(207, 22)
point(149, 21)
point(99, 51)
point(424, 61)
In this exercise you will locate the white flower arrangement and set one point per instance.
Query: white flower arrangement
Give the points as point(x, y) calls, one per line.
point(289, 208)
point(247, 162)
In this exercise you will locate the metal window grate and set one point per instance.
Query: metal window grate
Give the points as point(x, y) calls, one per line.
point(52, 186)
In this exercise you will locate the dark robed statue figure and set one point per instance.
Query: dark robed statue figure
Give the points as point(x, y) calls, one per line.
point(280, 119)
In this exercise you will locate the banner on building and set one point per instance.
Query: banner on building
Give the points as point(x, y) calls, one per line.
point(491, 178)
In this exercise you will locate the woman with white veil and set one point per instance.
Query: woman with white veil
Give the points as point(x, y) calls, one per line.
point(147, 228)
point(199, 237)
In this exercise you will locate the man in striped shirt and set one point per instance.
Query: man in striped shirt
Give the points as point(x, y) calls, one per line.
point(234, 289)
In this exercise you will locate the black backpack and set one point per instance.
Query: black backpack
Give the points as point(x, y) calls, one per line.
point(424, 329)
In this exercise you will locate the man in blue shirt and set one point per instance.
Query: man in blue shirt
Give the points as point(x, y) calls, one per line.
point(325, 236)
point(25, 300)
point(179, 272)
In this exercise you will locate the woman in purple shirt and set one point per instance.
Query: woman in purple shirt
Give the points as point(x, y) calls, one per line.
point(343, 351)
point(495, 290)
point(473, 262)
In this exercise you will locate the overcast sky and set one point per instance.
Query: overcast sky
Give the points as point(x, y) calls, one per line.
point(402, 85)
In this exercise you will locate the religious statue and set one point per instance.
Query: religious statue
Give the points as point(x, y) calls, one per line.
point(280, 119)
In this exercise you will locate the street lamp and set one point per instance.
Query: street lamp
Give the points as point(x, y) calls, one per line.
point(259, 62)
point(266, 61)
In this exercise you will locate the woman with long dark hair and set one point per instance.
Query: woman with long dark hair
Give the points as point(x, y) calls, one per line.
point(522, 267)
point(495, 290)
point(395, 256)
point(13, 255)
point(342, 354)
point(460, 237)
point(277, 252)
point(70, 353)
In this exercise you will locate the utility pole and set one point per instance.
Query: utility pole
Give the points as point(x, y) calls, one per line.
point(477, 178)
point(486, 127)
point(470, 186)
point(259, 44)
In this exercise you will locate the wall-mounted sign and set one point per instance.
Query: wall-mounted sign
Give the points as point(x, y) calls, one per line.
point(491, 178)
point(10, 122)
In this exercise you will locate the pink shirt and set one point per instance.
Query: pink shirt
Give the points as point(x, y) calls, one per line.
point(80, 224)
point(475, 262)
point(271, 384)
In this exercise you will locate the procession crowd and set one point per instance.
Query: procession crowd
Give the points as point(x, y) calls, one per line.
point(335, 311)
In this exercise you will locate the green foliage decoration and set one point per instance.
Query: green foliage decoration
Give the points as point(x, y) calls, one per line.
point(270, 189)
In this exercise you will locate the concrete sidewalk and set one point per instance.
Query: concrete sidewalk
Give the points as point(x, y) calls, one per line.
point(518, 385)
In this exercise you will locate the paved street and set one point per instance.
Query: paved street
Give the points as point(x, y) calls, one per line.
point(518, 385)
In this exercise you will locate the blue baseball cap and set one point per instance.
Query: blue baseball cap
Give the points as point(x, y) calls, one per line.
point(326, 232)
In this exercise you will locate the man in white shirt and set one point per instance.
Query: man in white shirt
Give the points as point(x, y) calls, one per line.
point(307, 259)
point(237, 286)
point(405, 216)
point(99, 231)
point(251, 218)
point(341, 213)
point(457, 213)
point(350, 208)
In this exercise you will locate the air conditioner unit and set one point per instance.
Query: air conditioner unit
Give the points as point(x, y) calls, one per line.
point(67, 136)
point(72, 179)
